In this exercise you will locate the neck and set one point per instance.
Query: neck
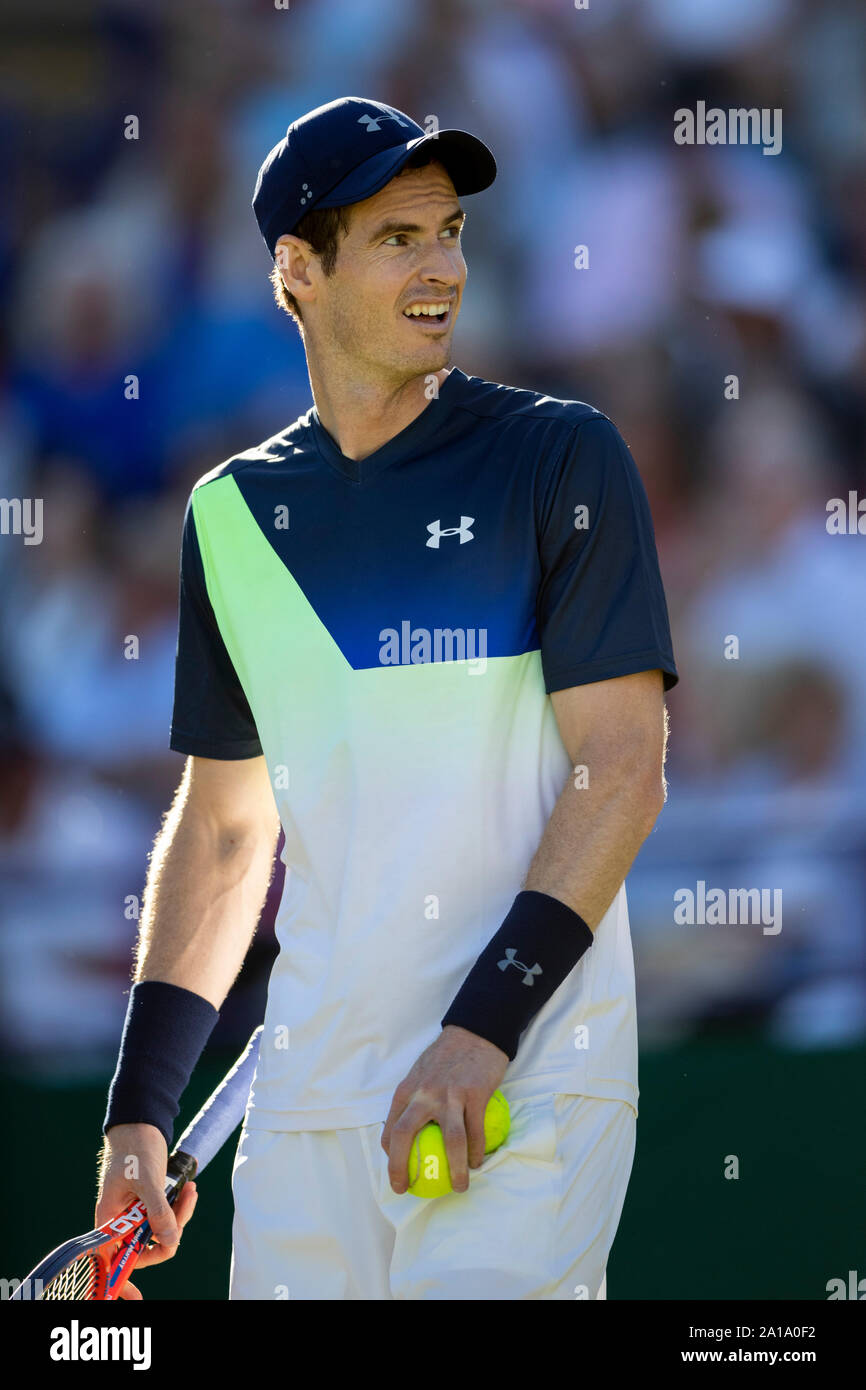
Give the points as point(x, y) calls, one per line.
point(361, 416)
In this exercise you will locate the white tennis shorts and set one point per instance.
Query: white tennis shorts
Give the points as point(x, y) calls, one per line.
point(316, 1218)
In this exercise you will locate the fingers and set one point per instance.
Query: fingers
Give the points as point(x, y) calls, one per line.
point(459, 1112)
point(186, 1203)
point(456, 1149)
point(402, 1097)
point(403, 1132)
point(475, 1110)
point(131, 1292)
point(463, 1133)
point(163, 1222)
point(181, 1213)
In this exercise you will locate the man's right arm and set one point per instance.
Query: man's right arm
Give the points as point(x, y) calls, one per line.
point(208, 878)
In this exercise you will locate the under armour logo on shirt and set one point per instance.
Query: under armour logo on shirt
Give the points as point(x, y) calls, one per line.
point(529, 970)
point(436, 531)
point(372, 122)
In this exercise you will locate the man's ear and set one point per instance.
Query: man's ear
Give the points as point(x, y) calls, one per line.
point(292, 257)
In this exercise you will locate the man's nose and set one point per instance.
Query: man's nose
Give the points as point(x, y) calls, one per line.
point(438, 264)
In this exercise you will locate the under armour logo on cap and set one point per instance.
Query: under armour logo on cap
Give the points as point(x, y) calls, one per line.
point(529, 970)
point(373, 122)
point(437, 532)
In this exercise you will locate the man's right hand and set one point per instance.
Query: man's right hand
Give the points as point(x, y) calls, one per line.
point(133, 1167)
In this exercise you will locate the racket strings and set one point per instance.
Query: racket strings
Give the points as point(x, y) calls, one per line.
point(77, 1281)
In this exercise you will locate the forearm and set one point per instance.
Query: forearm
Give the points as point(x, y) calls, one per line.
point(595, 831)
point(204, 893)
point(584, 855)
point(208, 876)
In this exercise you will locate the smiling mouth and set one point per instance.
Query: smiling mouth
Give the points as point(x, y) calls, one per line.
point(435, 314)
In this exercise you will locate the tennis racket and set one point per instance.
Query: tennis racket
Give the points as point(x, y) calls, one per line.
point(96, 1266)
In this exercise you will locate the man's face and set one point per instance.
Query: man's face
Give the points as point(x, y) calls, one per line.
point(402, 251)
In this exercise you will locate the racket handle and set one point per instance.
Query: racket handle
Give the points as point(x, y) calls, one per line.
point(205, 1135)
point(181, 1167)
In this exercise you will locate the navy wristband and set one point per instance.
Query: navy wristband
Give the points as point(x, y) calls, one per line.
point(538, 944)
point(164, 1035)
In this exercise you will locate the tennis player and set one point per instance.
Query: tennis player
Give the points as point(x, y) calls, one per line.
point(423, 628)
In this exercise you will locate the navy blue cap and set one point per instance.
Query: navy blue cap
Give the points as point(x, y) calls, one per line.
point(346, 151)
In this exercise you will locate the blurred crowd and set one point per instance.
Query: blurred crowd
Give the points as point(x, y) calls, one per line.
point(140, 346)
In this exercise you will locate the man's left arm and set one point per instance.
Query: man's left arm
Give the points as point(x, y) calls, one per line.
point(615, 734)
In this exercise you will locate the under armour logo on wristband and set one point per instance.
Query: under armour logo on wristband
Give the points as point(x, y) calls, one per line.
point(529, 970)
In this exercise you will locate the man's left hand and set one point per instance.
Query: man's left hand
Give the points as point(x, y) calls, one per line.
point(451, 1083)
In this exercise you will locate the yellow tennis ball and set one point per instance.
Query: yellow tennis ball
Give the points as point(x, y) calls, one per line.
point(497, 1121)
point(428, 1163)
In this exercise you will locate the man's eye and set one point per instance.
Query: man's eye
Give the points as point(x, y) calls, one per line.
point(400, 238)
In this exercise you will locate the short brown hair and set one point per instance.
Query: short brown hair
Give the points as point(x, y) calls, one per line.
point(324, 228)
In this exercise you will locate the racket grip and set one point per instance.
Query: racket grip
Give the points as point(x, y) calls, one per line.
point(205, 1135)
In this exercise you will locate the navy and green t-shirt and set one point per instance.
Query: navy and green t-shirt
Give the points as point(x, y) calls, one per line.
point(386, 632)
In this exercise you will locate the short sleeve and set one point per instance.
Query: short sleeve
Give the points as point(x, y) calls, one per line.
point(211, 717)
point(601, 609)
